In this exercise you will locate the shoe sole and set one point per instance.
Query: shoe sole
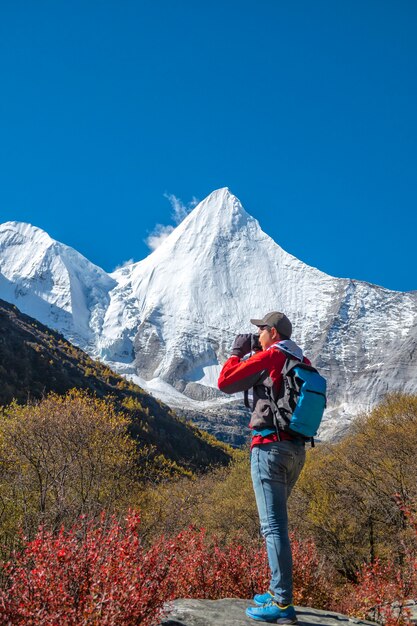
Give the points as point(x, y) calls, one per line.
point(279, 620)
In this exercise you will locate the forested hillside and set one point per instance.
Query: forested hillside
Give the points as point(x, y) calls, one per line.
point(35, 360)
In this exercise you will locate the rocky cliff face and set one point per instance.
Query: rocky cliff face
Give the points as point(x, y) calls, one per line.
point(169, 320)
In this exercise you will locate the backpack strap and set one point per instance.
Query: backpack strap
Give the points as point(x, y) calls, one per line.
point(279, 422)
point(276, 415)
point(246, 398)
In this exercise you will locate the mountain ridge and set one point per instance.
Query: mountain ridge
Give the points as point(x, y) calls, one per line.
point(168, 321)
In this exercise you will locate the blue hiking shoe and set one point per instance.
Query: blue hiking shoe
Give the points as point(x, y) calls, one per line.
point(273, 612)
point(263, 598)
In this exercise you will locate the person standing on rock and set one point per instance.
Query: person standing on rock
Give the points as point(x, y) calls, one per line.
point(277, 457)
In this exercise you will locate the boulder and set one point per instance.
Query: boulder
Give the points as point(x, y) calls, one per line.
point(231, 612)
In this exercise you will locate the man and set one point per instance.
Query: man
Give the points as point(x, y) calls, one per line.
point(277, 457)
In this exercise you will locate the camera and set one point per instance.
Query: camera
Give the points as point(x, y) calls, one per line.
point(255, 346)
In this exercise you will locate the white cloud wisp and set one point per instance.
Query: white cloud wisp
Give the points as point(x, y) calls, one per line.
point(158, 236)
point(179, 213)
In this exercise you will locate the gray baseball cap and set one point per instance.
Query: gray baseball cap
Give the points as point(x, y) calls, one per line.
point(277, 320)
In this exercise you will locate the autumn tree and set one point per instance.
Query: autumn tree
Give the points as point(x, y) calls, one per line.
point(347, 496)
point(62, 457)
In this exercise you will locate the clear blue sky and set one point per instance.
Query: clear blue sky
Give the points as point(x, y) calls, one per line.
point(306, 110)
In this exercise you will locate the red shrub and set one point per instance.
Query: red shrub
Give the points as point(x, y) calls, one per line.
point(98, 573)
point(381, 593)
point(313, 585)
point(202, 568)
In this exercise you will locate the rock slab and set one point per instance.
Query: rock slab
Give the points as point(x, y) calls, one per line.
point(231, 612)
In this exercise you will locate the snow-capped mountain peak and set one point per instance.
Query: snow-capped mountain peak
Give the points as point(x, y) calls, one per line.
point(219, 215)
point(15, 240)
point(189, 297)
point(51, 281)
point(221, 210)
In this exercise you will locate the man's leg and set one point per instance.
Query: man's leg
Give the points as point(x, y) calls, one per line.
point(275, 468)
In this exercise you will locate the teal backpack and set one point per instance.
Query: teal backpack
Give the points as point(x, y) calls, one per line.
point(301, 400)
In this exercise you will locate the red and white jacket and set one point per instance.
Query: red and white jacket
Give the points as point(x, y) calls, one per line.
point(262, 372)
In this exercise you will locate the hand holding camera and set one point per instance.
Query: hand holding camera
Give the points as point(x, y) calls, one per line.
point(244, 344)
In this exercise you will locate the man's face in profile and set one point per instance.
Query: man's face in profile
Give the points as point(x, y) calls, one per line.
point(267, 336)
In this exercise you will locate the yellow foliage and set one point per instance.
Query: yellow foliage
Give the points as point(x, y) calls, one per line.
point(64, 456)
point(220, 501)
point(132, 403)
point(346, 495)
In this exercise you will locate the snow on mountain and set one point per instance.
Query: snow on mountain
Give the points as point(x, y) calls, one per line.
point(52, 282)
point(200, 287)
point(170, 319)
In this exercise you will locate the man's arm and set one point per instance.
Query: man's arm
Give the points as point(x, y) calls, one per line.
point(238, 375)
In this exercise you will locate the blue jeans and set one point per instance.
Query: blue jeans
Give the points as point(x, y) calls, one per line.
point(275, 468)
